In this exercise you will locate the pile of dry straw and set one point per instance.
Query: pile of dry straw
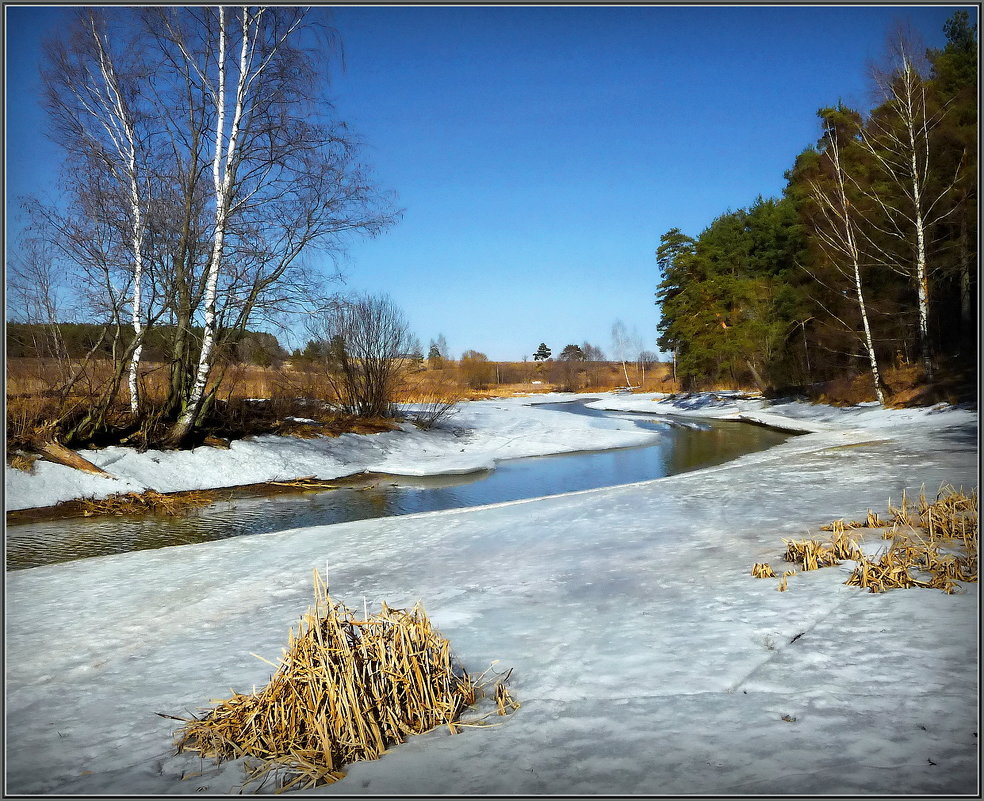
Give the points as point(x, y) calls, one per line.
point(347, 688)
point(934, 545)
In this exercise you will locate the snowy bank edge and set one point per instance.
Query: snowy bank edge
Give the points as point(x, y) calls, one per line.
point(491, 431)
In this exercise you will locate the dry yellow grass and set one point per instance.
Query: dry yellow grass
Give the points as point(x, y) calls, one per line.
point(130, 503)
point(22, 461)
point(348, 687)
point(934, 545)
point(811, 554)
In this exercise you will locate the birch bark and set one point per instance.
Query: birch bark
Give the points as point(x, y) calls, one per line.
point(840, 241)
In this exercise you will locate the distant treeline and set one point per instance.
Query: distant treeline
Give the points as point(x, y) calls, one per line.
point(75, 340)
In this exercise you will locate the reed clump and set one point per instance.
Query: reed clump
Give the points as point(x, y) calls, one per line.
point(811, 554)
point(20, 460)
point(348, 687)
point(938, 540)
point(781, 587)
point(934, 545)
point(129, 503)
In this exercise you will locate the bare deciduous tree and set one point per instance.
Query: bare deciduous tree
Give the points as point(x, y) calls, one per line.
point(210, 185)
point(365, 342)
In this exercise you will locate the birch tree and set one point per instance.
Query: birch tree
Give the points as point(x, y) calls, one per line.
point(92, 96)
point(210, 184)
point(621, 346)
point(279, 182)
point(897, 137)
point(838, 235)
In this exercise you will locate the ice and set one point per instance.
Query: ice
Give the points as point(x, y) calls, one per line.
point(646, 657)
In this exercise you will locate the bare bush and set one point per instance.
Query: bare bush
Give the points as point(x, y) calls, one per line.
point(364, 347)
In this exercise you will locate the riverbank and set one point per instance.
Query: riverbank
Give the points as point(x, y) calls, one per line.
point(475, 438)
point(647, 658)
point(479, 435)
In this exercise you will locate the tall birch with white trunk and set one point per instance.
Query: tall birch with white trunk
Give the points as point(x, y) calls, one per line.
point(839, 237)
point(897, 138)
point(284, 179)
point(90, 90)
point(119, 124)
point(229, 83)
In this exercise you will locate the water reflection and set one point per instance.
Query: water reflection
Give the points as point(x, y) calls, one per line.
point(684, 446)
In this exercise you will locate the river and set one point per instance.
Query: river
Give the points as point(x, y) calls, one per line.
point(686, 445)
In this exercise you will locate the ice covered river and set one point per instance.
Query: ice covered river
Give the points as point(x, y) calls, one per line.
point(686, 445)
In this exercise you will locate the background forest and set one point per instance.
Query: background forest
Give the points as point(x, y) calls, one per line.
point(866, 267)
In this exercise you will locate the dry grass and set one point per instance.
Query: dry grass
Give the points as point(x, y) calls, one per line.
point(131, 503)
point(937, 540)
point(934, 545)
point(782, 586)
point(22, 461)
point(811, 554)
point(348, 687)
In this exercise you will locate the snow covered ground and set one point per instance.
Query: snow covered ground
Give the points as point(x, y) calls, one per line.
point(646, 657)
point(479, 435)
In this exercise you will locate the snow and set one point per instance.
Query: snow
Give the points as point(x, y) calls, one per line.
point(646, 657)
point(479, 435)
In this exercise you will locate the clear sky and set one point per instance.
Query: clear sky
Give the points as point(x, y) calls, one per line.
point(540, 152)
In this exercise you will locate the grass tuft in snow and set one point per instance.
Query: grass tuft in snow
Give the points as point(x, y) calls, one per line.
point(934, 545)
point(348, 687)
point(811, 554)
point(936, 539)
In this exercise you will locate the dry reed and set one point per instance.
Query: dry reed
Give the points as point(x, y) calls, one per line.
point(23, 461)
point(811, 554)
point(129, 503)
point(347, 688)
point(936, 539)
point(934, 545)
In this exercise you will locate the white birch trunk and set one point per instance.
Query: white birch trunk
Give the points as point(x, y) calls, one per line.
point(223, 168)
point(922, 277)
point(852, 246)
point(844, 241)
point(120, 127)
point(906, 161)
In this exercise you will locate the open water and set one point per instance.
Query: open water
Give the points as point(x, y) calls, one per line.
point(686, 445)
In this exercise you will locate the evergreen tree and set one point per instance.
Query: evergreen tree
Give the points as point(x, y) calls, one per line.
point(572, 353)
point(542, 353)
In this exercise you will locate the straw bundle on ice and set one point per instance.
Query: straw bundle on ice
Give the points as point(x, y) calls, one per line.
point(347, 689)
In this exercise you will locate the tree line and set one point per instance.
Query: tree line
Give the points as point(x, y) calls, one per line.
point(868, 261)
point(77, 340)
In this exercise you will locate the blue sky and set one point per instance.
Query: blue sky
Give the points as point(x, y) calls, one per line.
point(540, 152)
